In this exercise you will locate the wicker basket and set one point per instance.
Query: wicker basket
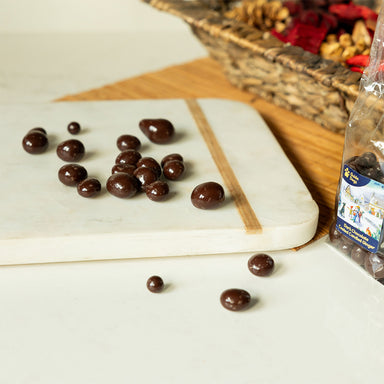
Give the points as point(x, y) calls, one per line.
point(318, 89)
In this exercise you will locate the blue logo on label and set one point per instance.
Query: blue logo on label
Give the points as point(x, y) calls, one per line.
point(354, 178)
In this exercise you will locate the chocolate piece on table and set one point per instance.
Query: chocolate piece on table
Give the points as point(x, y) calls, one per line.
point(172, 156)
point(129, 156)
point(145, 176)
point(72, 174)
point(159, 131)
point(261, 264)
point(208, 195)
point(122, 185)
point(155, 284)
point(89, 187)
point(70, 150)
point(173, 169)
point(125, 142)
point(235, 299)
point(35, 141)
point(124, 168)
point(73, 128)
point(157, 191)
point(149, 162)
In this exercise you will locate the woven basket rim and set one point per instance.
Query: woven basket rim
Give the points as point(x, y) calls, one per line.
point(198, 15)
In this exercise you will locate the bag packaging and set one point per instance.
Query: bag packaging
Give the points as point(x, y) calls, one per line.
point(359, 205)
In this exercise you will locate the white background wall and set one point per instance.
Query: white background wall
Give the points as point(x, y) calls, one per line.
point(35, 16)
point(51, 48)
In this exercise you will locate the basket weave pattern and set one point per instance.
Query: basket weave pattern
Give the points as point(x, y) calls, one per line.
point(321, 90)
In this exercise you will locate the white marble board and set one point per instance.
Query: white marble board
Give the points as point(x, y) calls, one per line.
point(44, 221)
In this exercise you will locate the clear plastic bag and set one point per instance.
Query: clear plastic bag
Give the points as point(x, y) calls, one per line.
point(359, 209)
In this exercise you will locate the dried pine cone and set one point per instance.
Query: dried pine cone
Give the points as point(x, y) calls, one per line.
point(262, 14)
point(217, 5)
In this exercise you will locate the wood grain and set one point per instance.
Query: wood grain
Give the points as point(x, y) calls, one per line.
point(247, 214)
point(314, 151)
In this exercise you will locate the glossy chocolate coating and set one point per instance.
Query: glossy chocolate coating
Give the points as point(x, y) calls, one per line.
point(145, 176)
point(35, 142)
point(149, 162)
point(155, 284)
point(70, 150)
point(235, 299)
point(159, 131)
point(208, 195)
point(374, 264)
point(173, 169)
point(367, 165)
point(346, 245)
point(74, 128)
point(334, 235)
point(157, 191)
point(125, 168)
point(72, 174)
point(261, 264)
point(359, 254)
point(351, 162)
point(172, 156)
point(89, 187)
point(122, 185)
point(39, 129)
point(129, 156)
point(125, 142)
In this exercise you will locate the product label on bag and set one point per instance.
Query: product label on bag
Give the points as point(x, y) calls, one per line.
point(360, 210)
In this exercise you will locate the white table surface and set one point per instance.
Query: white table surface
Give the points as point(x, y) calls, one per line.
point(318, 319)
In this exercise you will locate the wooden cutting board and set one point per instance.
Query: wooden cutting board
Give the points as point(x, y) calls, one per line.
point(267, 205)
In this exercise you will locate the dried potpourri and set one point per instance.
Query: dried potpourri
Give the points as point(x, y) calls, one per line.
point(335, 29)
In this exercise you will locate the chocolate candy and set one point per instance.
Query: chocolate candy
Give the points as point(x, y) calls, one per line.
point(149, 162)
point(71, 174)
point(335, 236)
point(157, 191)
point(346, 245)
point(261, 264)
point(129, 156)
point(367, 165)
point(35, 141)
point(122, 185)
point(172, 156)
point(125, 142)
point(359, 254)
point(366, 160)
point(73, 128)
point(235, 299)
point(374, 264)
point(70, 150)
point(155, 284)
point(173, 169)
point(39, 129)
point(159, 131)
point(89, 187)
point(145, 176)
point(125, 168)
point(208, 195)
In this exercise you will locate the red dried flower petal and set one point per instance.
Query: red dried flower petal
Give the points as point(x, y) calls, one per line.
point(278, 35)
point(307, 37)
point(357, 69)
point(329, 21)
point(352, 12)
point(293, 7)
point(309, 16)
point(358, 60)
